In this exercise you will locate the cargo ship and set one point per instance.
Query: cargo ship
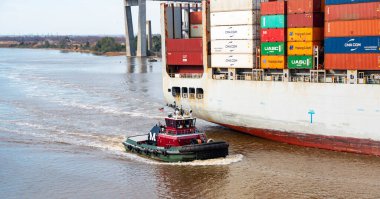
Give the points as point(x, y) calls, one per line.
point(303, 72)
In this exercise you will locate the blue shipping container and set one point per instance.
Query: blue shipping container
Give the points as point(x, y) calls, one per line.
point(332, 2)
point(352, 45)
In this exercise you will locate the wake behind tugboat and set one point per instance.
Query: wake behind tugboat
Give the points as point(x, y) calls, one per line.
point(177, 141)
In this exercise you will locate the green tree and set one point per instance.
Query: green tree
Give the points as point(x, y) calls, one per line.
point(156, 43)
point(46, 44)
point(107, 44)
point(63, 43)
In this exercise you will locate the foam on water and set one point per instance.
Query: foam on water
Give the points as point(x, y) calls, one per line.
point(111, 144)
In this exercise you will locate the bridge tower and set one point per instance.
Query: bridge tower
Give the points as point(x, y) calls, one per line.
point(141, 32)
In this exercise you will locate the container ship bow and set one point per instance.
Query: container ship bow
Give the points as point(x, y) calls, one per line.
point(303, 72)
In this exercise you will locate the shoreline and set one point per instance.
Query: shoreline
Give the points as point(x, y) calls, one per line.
point(107, 54)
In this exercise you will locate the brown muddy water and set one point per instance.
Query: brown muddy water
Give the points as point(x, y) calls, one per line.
point(63, 117)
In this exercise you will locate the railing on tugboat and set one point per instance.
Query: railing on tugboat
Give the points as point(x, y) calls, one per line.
point(181, 131)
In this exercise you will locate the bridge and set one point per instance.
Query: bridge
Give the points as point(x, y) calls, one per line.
point(143, 25)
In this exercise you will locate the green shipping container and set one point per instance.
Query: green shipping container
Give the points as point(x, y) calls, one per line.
point(273, 48)
point(300, 62)
point(273, 21)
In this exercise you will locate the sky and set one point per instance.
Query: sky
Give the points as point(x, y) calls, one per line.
point(69, 17)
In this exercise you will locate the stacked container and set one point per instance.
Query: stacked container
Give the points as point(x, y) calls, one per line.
point(305, 31)
point(182, 52)
point(352, 31)
point(273, 40)
point(234, 33)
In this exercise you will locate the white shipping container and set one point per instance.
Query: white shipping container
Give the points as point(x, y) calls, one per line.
point(234, 32)
point(233, 5)
point(248, 17)
point(196, 30)
point(233, 60)
point(234, 46)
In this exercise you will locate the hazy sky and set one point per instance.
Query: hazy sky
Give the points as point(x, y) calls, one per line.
point(69, 17)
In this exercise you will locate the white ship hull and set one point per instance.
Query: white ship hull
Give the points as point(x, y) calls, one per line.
point(346, 116)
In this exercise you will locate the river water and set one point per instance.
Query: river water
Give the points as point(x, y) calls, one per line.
point(63, 117)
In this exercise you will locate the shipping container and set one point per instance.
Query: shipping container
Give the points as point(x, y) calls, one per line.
point(305, 34)
point(331, 2)
point(304, 6)
point(273, 62)
point(353, 11)
point(184, 58)
point(302, 48)
point(196, 17)
point(196, 30)
point(300, 62)
point(234, 46)
point(273, 35)
point(234, 18)
point(273, 48)
point(305, 20)
point(184, 45)
point(352, 45)
point(352, 28)
point(273, 21)
point(369, 61)
point(223, 5)
point(234, 32)
point(233, 60)
point(188, 69)
point(273, 8)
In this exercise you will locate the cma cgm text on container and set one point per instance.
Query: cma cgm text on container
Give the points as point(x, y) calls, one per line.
point(352, 45)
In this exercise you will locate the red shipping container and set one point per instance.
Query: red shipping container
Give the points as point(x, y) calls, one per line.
point(190, 69)
point(352, 61)
point(273, 35)
point(196, 17)
point(353, 11)
point(184, 45)
point(273, 8)
point(304, 6)
point(184, 58)
point(352, 28)
point(305, 20)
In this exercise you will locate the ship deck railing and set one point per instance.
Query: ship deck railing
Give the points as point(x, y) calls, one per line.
point(186, 75)
point(314, 76)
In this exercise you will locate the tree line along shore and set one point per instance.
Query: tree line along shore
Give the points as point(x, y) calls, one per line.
point(99, 45)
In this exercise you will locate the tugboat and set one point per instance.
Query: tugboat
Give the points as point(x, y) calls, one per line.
point(177, 141)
